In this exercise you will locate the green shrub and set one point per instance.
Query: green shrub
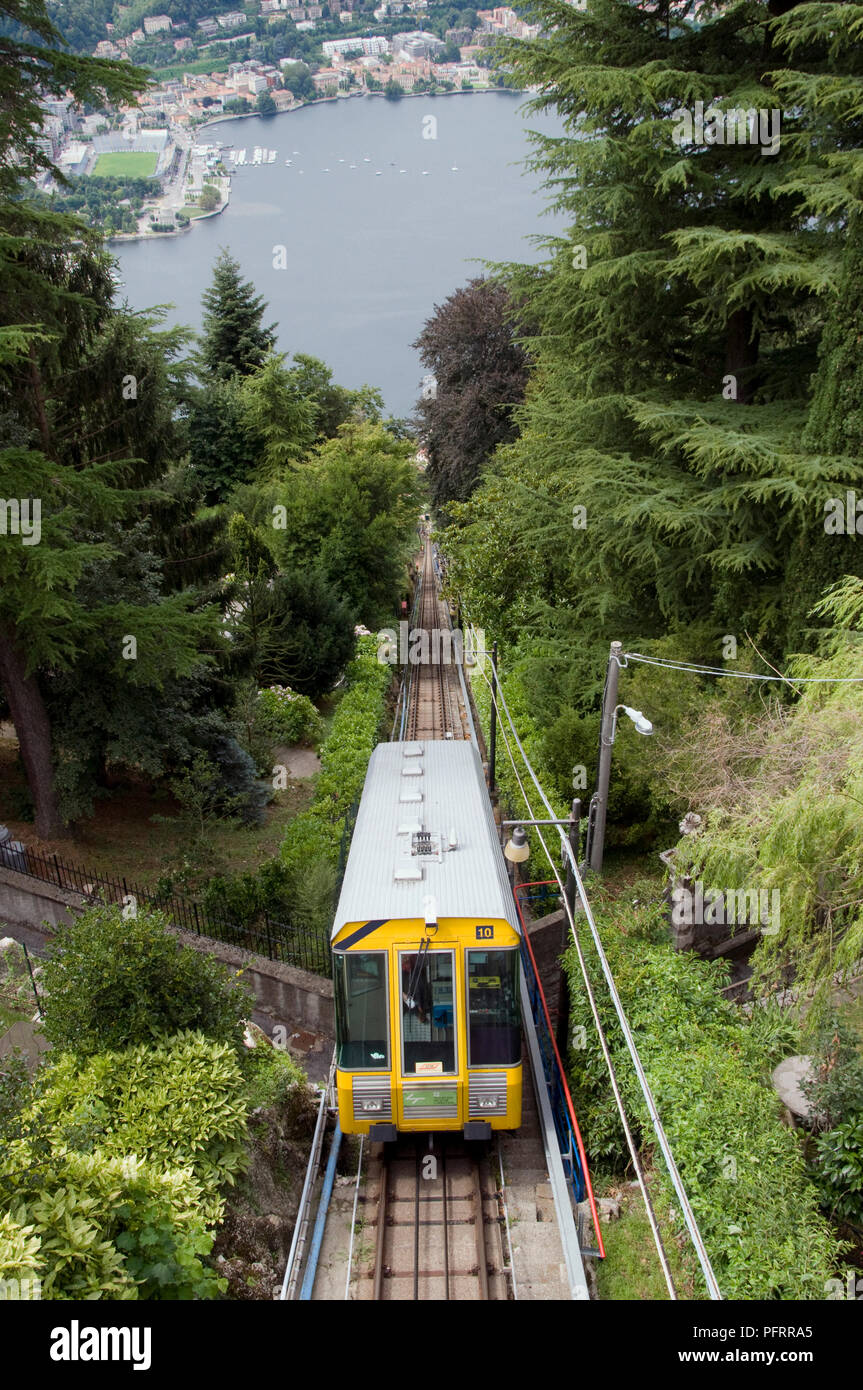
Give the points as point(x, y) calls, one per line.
point(293, 716)
point(179, 1104)
point(119, 1167)
point(269, 1074)
point(100, 1227)
point(835, 1089)
point(315, 837)
point(238, 899)
point(839, 1174)
point(113, 982)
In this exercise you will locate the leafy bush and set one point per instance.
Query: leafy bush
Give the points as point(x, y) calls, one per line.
point(709, 1069)
point(293, 716)
point(785, 812)
point(269, 1075)
point(836, 1088)
point(117, 1168)
point(179, 1105)
point(839, 1174)
point(316, 834)
point(114, 982)
point(98, 1227)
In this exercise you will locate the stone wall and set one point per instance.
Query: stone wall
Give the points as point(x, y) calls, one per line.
point(287, 994)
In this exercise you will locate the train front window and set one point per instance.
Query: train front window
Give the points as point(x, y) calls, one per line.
point(428, 1013)
point(362, 1032)
point(494, 1017)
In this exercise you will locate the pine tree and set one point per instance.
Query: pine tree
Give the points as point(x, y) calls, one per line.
point(661, 478)
point(834, 428)
point(233, 341)
point(89, 401)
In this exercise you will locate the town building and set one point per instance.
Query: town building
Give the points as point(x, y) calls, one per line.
point(157, 23)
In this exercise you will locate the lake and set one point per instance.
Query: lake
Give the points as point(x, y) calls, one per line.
point(369, 250)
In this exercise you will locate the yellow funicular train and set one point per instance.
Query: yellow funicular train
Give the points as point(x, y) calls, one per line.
point(426, 953)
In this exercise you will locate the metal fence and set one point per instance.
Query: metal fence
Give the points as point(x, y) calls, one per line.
point(298, 946)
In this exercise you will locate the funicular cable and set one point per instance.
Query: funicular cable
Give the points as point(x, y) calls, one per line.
point(689, 1218)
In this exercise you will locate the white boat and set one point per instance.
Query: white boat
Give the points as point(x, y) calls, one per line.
point(271, 158)
point(425, 173)
point(241, 157)
point(353, 166)
point(454, 169)
point(402, 171)
point(366, 159)
point(325, 171)
point(378, 173)
point(289, 161)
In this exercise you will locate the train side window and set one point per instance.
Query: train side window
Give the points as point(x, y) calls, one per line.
point(362, 1027)
point(494, 1016)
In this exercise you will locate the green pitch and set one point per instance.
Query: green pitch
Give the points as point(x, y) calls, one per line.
point(138, 164)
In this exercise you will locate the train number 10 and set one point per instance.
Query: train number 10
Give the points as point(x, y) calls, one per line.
point(485, 933)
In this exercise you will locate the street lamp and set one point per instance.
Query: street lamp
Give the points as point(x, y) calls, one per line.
point(641, 722)
point(517, 849)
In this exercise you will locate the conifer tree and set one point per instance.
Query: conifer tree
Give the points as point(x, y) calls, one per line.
point(233, 341)
point(661, 477)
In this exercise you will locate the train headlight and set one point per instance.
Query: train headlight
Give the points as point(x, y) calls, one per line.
point(490, 1104)
point(372, 1105)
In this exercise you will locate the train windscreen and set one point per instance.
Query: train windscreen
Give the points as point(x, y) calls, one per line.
point(362, 1032)
point(428, 1013)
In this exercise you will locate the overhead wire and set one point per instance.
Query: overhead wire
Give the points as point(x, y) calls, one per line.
point(686, 1209)
point(697, 669)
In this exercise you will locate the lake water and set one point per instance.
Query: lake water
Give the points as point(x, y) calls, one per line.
point(368, 256)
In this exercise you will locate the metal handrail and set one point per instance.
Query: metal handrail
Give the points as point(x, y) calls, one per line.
point(565, 1119)
point(292, 1268)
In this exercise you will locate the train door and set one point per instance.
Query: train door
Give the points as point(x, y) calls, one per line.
point(427, 1041)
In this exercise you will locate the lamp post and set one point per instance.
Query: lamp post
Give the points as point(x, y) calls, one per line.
point(608, 729)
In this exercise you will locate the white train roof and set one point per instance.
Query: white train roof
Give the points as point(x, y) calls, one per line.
point(425, 830)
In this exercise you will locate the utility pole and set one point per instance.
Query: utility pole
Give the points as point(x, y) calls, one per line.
point(599, 803)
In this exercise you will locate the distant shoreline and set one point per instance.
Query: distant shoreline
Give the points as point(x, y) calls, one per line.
point(318, 101)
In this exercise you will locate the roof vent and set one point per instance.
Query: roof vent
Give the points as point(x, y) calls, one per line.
point(452, 840)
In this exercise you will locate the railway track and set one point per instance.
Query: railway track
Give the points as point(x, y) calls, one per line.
point(439, 1219)
point(434, 703)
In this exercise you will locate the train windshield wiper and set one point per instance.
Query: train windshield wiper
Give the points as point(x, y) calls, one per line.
point(416, 974)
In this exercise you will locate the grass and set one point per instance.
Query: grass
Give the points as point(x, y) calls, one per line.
point(631, 1271)
point(138, 164)
point(121, 839)
point(10, 1015)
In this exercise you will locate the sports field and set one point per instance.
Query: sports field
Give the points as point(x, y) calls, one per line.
point(136, 164)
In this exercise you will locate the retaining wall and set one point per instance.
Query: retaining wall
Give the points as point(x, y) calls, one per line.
point(290, 995)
